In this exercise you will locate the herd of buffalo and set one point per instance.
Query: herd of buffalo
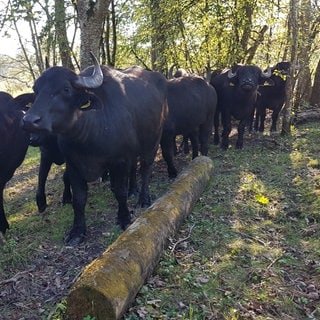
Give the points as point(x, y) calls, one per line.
point(106, 121)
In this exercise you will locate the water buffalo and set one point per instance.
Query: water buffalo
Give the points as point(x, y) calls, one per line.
point(237, 90)
point(272, 97)
point(13, 143)
point(192, 103)
point(105, 119)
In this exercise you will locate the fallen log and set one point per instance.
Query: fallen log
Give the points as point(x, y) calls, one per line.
point(311, 114)
point(109, 284)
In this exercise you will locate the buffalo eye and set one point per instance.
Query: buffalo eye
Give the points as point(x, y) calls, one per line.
point(67, 90)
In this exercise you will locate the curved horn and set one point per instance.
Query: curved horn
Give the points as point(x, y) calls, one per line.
point(231, 74)
point(93, 81)
point(266, 74)
point(170, 71)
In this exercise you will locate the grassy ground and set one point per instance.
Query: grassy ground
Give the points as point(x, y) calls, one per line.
point(251, 247)
point(249, 250)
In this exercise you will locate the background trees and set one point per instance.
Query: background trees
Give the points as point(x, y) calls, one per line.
point(196, 35)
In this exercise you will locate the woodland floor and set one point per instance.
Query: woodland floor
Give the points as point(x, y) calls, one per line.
point(28, 286)
point(35, 279)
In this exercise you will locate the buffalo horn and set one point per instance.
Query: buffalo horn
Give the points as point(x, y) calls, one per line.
point(266, 74)
point(93, 81)
point(231, 74)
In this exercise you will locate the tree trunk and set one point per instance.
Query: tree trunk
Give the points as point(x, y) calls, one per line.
point(253, 49)
point(315, 95)
point(110, 40)
point(91, 18)
point(303, 87)
point(110, 283)
point(61, 31)
point(306, 40)
point(293, 36)
point(158, 37)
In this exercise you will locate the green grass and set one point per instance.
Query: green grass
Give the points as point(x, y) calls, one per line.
point(251, 247)
point(254, 246)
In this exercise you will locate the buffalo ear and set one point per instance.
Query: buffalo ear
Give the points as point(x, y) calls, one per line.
point(92, 102)
point(266, 82)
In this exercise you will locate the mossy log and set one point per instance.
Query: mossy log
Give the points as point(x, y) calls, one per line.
point(109, 284)
point(311, 114)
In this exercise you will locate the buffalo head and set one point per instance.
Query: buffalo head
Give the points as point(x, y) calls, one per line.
point(248, 78)
point(60, 94)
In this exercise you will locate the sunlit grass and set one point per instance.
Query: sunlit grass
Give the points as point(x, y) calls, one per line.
point(251, 240)
point(250, 227)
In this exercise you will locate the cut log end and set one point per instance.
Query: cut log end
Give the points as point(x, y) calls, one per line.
point(87, 300)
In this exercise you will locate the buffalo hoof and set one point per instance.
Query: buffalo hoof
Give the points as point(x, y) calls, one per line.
point(67, 195)
point(172, 173)
point(133, 192)
point(124, 223)
point(4, 226)
point(216, 139)
point(239, 145)
point(74, 237)
point(66, 200)
point(144, 201)
point(41, 203)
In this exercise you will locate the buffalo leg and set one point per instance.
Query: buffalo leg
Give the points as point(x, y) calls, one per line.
point(250, 121)
point(167, 149)
point(185, 142)
point(194, 138)
point(226, 123)
point(256, 120)
point(133, 187)
point(119, 174)
point(216, 137)
point(205, 133)
point(44, 168)
point(274, 117)
point(262, 119)
point(146, 165)
point(241, 129)
point(80, 193)
point(67, 195)
point(4, 225)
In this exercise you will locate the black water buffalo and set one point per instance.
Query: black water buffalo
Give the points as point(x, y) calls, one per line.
point(237, 93)
point(192, 103)
point(272, 97)
point(105, 119)
point(50, 153)
point(13, 143)
point(181, 73)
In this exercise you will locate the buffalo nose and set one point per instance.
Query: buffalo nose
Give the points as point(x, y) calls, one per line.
point(30, 122)
point(247, 85)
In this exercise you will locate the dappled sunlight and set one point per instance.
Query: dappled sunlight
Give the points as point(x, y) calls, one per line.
point(250, 248)
point(252, 230)
point(258, 197)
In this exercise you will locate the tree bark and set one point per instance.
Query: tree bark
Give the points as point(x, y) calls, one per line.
point(253, 49)
point(110, 283)
point(158, 37)
point(293, 36)
point(315, 95)
point(91, 18)
point(61, 31)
